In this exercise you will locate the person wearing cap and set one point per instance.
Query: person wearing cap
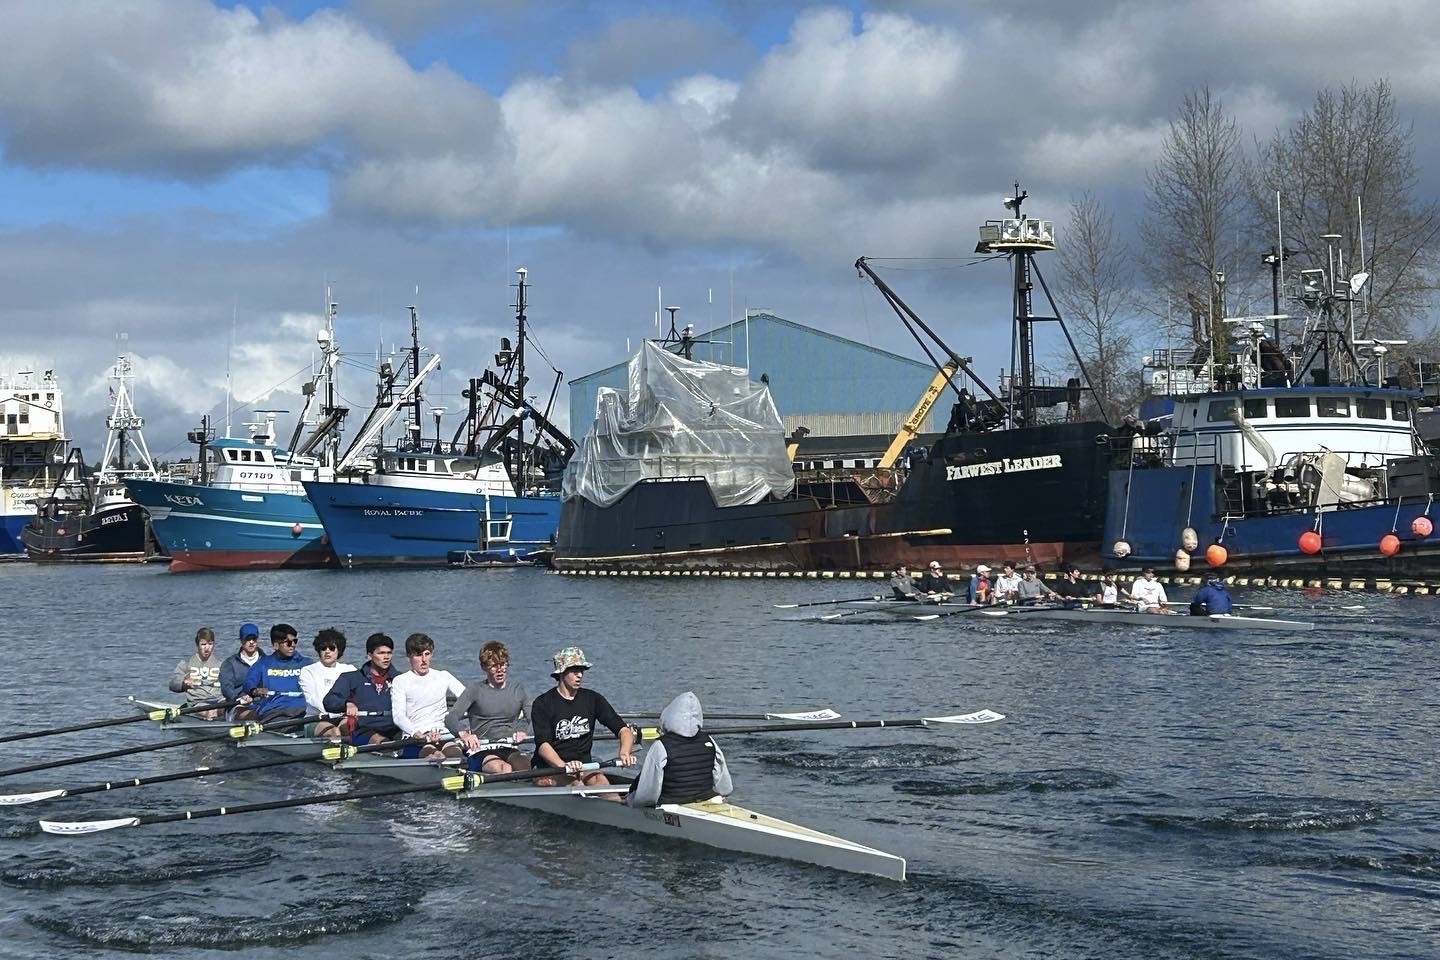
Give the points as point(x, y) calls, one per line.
point(564, 720)
point(489, 712)
point(420, 699)
point(1074, 591)
point(364, 695)
point(199, 676)
point(684, 765)
point(238, 664)
point(317, 678)
point(978, 591)
point(273, 683)
point(1032, 589)
point(935, 584)
point(1148, 594)
point(902, 585)
point(1007, 584)
point(1213, 598)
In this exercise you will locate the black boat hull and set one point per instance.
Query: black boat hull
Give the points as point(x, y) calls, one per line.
point(113, 534)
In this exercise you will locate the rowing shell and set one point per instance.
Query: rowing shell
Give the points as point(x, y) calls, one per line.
point(716, 823)
point(1216, 621)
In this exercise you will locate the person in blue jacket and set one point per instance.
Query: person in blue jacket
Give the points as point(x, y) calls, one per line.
point(274, 682)
point(364, 695)
point(237, 665)
point(1211, 599)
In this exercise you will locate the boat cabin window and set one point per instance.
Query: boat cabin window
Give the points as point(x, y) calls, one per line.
point(245, 456)
point(1220, 411)
point(232, 455)
point(260, 457)
point(1400, 409)
point(295, 475)
point(1333, 406)
point(1370, 409)
point(1292, 406)
point(1257, 409)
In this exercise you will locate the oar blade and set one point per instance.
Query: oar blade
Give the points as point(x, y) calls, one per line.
point(76, 828)
point(826, 714)
point(17, 799)
point(979, 716)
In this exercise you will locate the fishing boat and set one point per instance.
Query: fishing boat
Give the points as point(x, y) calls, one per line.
point(490, 489)
point(33, 448)
point(1307, 463)
point(717, 823)
point(688, 470)
point(249, 510)
point(88, 516)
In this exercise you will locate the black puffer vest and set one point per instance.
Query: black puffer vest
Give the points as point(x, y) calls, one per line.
point(689, 768)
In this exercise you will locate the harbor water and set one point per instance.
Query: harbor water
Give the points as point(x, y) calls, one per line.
point(1153, 792)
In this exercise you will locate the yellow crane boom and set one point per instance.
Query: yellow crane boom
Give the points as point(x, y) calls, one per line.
point(910, 429)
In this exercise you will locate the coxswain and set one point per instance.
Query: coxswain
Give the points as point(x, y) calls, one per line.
point(364, 695)
point(1148, 594)
point(199, 676)
point(902, 585)
point(684, 765)
point(420, 699)
point(1032, 589)
point(1211, 599)
point(564, 720)
point(317, 678)
point(490, 711)
point(935, 584)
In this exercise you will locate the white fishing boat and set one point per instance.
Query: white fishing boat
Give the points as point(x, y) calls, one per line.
point(714, 823)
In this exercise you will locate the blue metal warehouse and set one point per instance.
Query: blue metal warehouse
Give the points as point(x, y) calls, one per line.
point(832, 386)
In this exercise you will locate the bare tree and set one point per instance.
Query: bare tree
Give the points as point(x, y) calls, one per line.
point(1097, 297)
point(1194, 213)
point(1349, 156)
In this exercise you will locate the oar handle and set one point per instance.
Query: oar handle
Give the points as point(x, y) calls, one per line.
point(167, 713)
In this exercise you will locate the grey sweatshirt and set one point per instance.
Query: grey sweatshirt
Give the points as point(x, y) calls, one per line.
point(684, 717)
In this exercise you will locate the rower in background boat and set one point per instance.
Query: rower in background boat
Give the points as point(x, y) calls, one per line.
point(273, 683)
point(1008, 583)
point(199, 676)
point(1074, 591)
point(1108, 592)
point(319, 677)
point(1032, 589)
point(1148, 594)
point(420, 699)
point(902, 585)
point(364, 695)
point(935, 584)
point(237, 666)
point(491, 710)
point(978, 592)
point(1212, 598)
point(684, 765)
point(564, 719)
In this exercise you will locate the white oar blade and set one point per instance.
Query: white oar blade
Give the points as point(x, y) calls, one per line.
point(86, 826)
point(979, 716)
point(16, 799)
point(813, 716)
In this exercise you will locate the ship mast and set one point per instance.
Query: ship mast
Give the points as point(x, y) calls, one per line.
point(124, 429)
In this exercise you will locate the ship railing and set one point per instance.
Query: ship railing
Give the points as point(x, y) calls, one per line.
point(251, 486)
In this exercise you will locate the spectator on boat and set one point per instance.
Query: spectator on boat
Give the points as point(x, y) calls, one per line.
point(684, 765)
point(273, 683)
point(1075, 591)
point(317, 678)
point(1212, 598)
point(237, 666)
point(1148, 594)
point(935, 584)
point(199, 676)
point(902, 585)
point(564, 720)
point(489, 711)
point(1008, 583)
point(364, 695)
point(977, 592)
point(1107, 594)
point(420, 699)
point(1032, 589)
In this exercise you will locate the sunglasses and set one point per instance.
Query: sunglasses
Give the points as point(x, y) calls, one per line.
point(323, 646)
point(287, 642)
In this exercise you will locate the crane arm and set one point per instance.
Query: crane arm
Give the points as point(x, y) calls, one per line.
point(910, 429)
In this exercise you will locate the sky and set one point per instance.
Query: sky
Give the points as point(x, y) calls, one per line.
point(185, 179)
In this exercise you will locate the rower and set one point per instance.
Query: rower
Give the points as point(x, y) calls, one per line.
point(318, 678)
point(1213, 598)
point(935, 584)
point(1074, 591)
point(564, 719)
point(419, 701)
point(1032, 589)
point(1148, 594)
point(978, 593)
point(902, 585)
point(364, 695)
point(273, 683)
point(1107, 594)
point(238, 664)
point(490, 710)
point(199, 676)
point(1008, 583)
point(684, 765)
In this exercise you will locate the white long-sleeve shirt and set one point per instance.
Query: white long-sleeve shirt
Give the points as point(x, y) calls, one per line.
point(1148, 593)
point(419, 704)
point(316, 680)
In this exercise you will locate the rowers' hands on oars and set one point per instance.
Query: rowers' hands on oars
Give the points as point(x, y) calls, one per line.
point(628, 736)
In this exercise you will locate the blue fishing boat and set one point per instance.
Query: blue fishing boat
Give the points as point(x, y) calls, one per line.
point(493, 487)
point(1264, 464)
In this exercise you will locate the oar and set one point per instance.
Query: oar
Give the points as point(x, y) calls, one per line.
point(990, 611)
point(979, 716)
point(239, 732)
point(453, 784)
point(334, 754)
point(824, 713)
point(168, 713)
point(1250, 606)
point(825, 603)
